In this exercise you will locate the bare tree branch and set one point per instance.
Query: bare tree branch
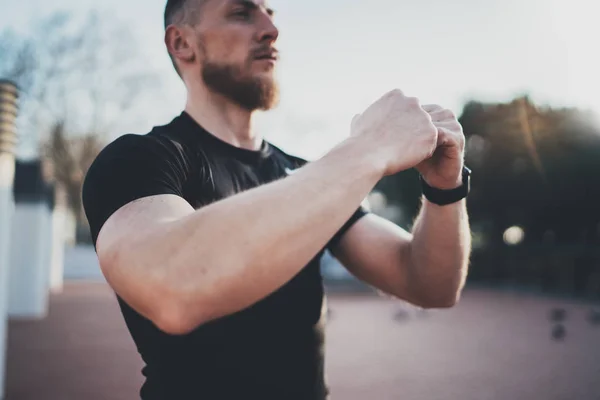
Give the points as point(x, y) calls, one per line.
point(78, 77)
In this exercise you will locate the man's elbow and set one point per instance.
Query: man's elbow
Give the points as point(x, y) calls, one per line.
point(172, 323)
point(174, 317)
point(166, 307)
point(439, 300)
point(444, 302)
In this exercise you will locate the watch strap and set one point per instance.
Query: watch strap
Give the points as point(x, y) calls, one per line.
point(444, 197)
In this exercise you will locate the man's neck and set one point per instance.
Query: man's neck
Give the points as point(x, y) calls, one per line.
point(222, 118)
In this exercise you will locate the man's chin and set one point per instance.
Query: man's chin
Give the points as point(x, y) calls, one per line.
point(273, 103)
point(266, 76)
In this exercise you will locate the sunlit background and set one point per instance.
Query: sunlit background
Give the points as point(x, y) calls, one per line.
point(339, 56)
point(523, 77)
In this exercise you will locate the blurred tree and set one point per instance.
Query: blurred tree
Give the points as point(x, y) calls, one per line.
point(78, 77)
point(70, 158)
point(534, 168)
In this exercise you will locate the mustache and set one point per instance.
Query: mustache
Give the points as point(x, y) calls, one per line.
point(266, 52)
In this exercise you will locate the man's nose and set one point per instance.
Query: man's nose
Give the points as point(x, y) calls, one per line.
point(268, 31)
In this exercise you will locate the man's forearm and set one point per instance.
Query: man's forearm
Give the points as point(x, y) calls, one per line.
point(439, 253)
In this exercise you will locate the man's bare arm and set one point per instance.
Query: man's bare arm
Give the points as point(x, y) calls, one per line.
point(181, 267)
point(439, 253)
point(426, 268)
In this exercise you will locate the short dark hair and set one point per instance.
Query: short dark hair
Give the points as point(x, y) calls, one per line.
point(181, 12)
point(174, 11)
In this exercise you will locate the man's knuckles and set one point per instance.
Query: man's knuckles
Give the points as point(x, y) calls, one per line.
point(443, 114)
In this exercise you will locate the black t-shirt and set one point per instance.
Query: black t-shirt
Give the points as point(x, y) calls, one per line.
point(271, 350)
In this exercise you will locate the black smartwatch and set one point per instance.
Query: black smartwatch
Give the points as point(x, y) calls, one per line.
point(444, 197)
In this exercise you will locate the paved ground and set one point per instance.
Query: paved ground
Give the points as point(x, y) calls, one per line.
point(494, 345)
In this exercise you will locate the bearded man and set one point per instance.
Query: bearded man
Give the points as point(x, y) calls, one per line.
point(211, 243)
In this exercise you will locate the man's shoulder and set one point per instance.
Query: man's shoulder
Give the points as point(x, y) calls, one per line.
point(295, 160)
point(138, 151)
point(130, 146)
point(130, 167)
point(161, 139)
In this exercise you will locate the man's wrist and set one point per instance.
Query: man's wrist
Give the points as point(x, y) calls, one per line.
point(445, 196)
point(449, 182)
point(448, 185)
point(358, 151)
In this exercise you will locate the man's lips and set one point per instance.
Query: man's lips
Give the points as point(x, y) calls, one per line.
point(270, 55)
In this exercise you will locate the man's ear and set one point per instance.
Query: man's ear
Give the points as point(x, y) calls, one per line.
point(178, 44)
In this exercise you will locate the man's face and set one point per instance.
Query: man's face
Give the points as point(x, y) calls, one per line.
point(235, 43)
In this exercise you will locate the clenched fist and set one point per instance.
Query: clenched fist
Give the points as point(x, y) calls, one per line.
point(398, 131)
point(443, 169)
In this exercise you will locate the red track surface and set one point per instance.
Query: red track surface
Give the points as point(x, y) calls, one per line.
point(492, 346)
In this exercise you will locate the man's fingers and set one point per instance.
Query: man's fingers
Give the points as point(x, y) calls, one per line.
point(447, 123)
point(439, 113)
point(432, 108)
point(449, 129)
point(444, 136)
point(448, 136)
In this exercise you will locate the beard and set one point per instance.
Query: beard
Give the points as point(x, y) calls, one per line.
point(250, 93)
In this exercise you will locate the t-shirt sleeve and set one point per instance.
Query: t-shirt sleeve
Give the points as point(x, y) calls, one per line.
point(358, 214)
point(130, 168)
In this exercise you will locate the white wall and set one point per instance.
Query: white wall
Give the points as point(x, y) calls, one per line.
point(57, 254)
point(70, 227)
point(6, 208)
point(29, 261)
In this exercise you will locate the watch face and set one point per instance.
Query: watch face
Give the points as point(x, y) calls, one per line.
point(466, 174)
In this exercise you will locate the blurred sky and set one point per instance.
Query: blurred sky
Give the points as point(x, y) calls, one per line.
point(339, 56)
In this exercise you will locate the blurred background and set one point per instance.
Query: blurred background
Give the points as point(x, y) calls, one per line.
point(521, 75)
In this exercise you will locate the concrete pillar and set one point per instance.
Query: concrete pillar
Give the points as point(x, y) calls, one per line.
point(31, 247)
point(60, 217)
point(8, 139)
